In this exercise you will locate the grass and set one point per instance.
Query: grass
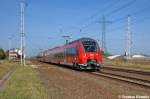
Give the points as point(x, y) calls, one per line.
point(24, 84)
point(145, 64)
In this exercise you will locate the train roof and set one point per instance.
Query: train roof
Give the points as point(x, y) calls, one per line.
point(82, 39)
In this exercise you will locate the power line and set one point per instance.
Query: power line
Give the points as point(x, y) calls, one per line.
point(121, 19)
point(87, 25)
point(144, 19)
point(133, 14)
point(104, 9)
point(132, 23)
point(121, 8)
point(112, 12)
point(124, 17)
point(33, 44)
point(92, 16)
point(117, 28)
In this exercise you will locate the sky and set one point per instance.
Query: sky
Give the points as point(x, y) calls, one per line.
point(46, 21)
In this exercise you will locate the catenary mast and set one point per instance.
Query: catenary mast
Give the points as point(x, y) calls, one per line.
point(22, 34)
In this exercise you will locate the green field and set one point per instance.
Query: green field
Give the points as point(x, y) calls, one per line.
point(24, 84)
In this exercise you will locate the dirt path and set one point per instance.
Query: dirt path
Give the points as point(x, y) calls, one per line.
point(64, 83)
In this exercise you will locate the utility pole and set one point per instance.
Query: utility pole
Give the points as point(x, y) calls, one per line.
point(128, 38)
point(104, 35)
point(22, 45)
point(103, 38)
point(67, 38)
point(10, 42)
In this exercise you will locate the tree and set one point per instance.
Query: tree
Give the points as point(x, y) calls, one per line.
point(2, 54)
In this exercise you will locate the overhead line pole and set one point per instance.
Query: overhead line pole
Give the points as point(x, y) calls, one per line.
point(104, 35)
point(10, 42)
point(128, 39)
point(67, 38)
point(103, 38)
point(22, 46)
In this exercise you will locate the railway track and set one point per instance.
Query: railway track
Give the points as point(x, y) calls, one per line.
point(127, 75)
point(134, 76)
point(136, 71)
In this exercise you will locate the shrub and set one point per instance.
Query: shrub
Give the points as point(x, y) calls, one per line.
point(2, 54)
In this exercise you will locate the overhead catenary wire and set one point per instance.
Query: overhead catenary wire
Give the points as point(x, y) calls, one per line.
point(121, 19)
point(132, 14)
point(36, 46)
point(111, 12)
point(132, 23)
point(92, 16)
point(99, 11)
point(128, 4)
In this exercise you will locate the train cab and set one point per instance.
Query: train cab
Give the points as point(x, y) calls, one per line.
point(90, 55)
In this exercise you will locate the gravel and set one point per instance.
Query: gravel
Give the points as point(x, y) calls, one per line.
point(64, 83)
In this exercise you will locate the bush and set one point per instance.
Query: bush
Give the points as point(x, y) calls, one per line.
point(2, 54)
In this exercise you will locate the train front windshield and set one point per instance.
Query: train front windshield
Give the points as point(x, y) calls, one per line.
point(90, 46)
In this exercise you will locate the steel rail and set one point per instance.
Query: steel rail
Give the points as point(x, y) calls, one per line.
point(136, 81)
point(136, 71)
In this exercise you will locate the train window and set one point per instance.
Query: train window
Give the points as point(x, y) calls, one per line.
point(74, 51)
point(89, 46)
point(71, 51)
point(58, 55)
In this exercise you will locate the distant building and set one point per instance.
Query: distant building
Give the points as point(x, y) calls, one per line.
point(138, 56)
point(113, 57)
point(14, 53)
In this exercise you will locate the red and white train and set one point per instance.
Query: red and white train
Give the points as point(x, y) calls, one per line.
point(83, 53)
